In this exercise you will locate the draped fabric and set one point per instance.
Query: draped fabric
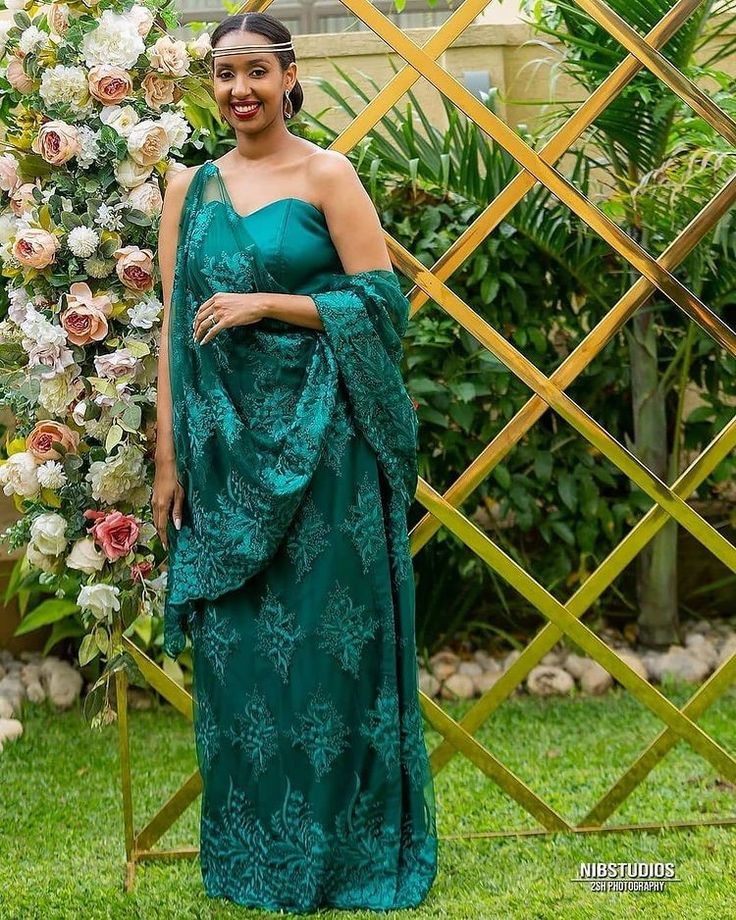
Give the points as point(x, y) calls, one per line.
point(291, 574)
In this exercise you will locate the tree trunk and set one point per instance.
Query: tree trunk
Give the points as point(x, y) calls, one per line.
point(657, 562)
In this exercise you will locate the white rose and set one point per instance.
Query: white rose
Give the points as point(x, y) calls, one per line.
point(123, 118)
point(100, 600)
point(56, 357)
point(48, 533)
point(116, 364)
point(85, 557)
point(200, 47)
point(19, 475)
point(37, 558)
point(177, 128)
point(130, 174)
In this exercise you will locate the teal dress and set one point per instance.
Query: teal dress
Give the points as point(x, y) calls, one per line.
point(291, 574)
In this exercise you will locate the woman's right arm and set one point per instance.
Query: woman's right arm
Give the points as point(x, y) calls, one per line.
point(168, 495)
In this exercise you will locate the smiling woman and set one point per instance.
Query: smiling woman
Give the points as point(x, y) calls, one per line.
point(286, 456)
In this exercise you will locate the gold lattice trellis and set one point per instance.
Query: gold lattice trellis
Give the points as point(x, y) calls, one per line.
point(549, 392)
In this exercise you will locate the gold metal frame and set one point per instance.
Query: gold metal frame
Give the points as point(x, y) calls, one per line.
point(549, 392)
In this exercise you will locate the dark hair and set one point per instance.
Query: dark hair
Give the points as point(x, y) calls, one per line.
point(272, 29)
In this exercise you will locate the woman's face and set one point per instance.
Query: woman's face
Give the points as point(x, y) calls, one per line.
point(249, 88)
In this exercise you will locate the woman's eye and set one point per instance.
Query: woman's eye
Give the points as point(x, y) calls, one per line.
point(224, 74)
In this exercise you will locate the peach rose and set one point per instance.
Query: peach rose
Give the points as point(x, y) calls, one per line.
point(8, 172)
point(35, 248)
point(57, 17)
point(146, 198)
point(135, 267)
point(18, 78)
point(21, 198)
point(57, 142)
point(109, 84)
point(115, 533)
point(169, 56)
point(44, 433)
point(157, 91)
point(85, 318)
point(148, 142)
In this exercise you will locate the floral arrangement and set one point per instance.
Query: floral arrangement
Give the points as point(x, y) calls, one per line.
point(92, 97)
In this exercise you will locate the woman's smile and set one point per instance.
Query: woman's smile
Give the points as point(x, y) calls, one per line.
point(245, 110)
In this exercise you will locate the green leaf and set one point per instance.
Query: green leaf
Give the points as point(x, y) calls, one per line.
point(543, 463)
point(567, 488)
point(502, 476)
point(563, 531)
point(88, 650)
point(114, 436)
point(47, 612)
point(64, 629)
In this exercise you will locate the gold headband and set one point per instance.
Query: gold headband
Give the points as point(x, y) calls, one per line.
point(248, 49)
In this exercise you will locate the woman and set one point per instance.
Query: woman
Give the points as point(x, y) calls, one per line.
point(285, 464)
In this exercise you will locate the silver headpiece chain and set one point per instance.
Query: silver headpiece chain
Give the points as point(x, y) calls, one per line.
point(249, 49)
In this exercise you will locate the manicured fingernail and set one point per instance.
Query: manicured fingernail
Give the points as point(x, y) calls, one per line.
point(177, 523)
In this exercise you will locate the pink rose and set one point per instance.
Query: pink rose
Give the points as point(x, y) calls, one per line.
point(57, 142)
point(8, 172)
point(18, 78)
point(135, 267)
point(21, 198)
point(44, 433)
point(35, 248)
point(115, 533)
point(85, 320)
point(109, 84)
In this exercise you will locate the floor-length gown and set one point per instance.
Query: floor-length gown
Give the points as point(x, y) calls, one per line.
point(316, 782)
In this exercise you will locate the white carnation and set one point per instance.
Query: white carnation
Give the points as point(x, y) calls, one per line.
point(48, 533)
point(57, 392)
point(115, 41)
point(8, 228)
point(119, 477)
point(82, 241)
point(177, 128)
point(64, 84)
point(51, 475)
point(145, 314)
point(99, 599)
point(18, 475)
point(31, 39)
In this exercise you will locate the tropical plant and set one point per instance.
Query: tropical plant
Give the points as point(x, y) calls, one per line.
point(663, 164)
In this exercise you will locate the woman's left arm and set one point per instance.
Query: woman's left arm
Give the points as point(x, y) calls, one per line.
point(355, 229)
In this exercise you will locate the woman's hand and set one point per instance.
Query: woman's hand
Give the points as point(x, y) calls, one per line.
point(227, 310)
point(168, 497)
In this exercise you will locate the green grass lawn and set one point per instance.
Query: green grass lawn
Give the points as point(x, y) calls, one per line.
point(61, 836)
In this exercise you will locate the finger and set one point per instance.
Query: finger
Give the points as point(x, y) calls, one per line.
point(201, 323)
point(178, 508)
point(212, 332)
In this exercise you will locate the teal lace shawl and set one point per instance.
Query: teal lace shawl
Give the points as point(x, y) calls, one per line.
point(245, 457)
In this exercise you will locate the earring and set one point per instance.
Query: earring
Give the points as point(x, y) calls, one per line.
point(288, 113)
